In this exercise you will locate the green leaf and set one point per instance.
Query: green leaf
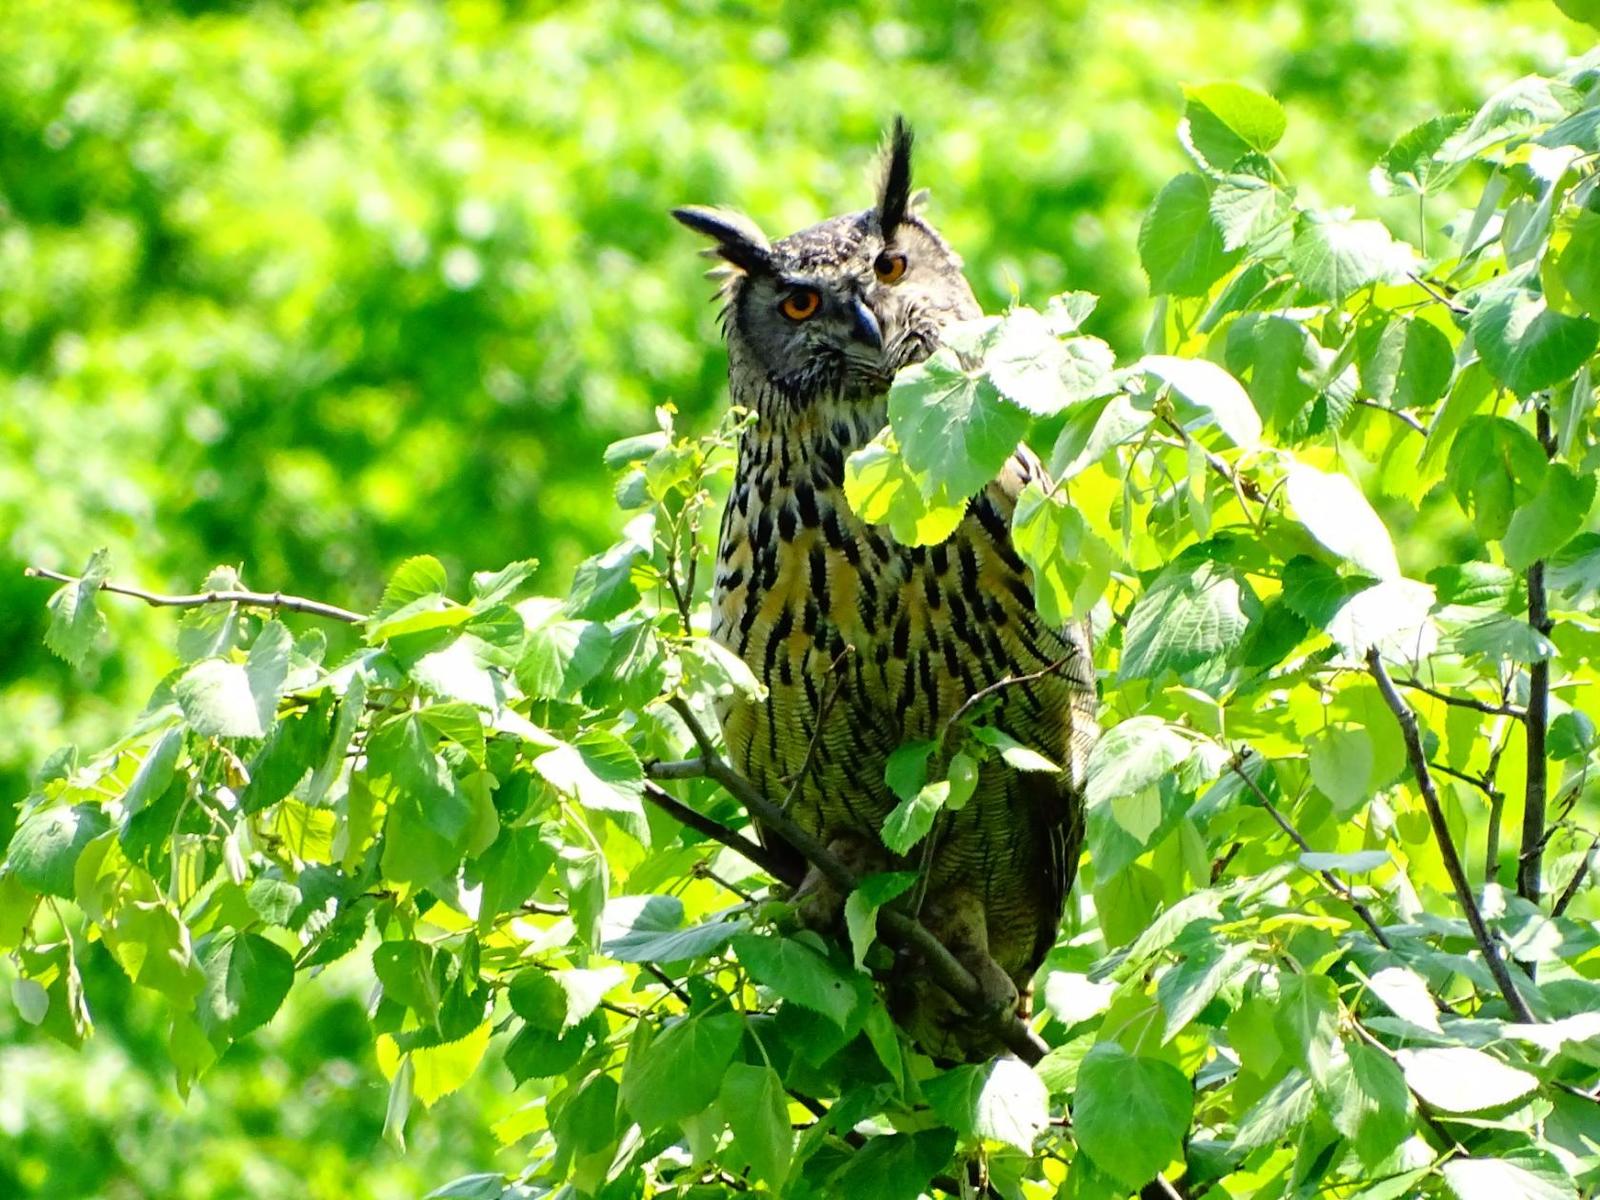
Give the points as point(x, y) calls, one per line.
point(405, 968)
point(650, 929)
point(1192, 614)
point(1494, 465)
point(1577, 266)
point(909, 821)
point(1246, 209)
point(1130, 1114)
point(601, 772)
point(1333, 257)
point(510, 870)
point(1280, 355)
point(75, 619)
point(880, 487)
point(1254, 118)
point(504, 586)
point(800, 974)
point(1461, 1079)
point(1012, 752)
point(1340, 758)
point(757, 1108)
point(1406, 994)
point(218, 698)
point(1405, 363)
point(414, 579)
point(1287, 1104)
point(1357, 862)
point(1180, 244)
point(44, 851)
point(1308, 1023)
point(952, 424)
point(1207, 386)
point(1026, 362)
point(1574, 570)
point(1526, 345)
point(1336, 514)
point(1554, 514)
point(862, 905)
point(1003, 1101)
point(1520, 1175)
point(1369, 1102)
point(247, 978)
point(1194, 981)
point(154, 775)
point(31, 999)
point(1131, 756)
point(602, 585)
point(1412, 163)
point(906, 768)
point(1071, 564)
point(894, 1166)
point(679, 1072)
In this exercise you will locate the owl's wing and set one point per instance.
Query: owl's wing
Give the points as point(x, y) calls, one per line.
point(1062, 725)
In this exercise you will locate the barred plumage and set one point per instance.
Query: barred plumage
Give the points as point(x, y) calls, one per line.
point(880, 642)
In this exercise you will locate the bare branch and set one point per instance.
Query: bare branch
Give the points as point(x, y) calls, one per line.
point(771, 863)
point(999, 685)
point(1459, 701)
point(1432, 290)
point(1571, 890)
point(273, 600)
point(1441, 832)
point(1398, 414)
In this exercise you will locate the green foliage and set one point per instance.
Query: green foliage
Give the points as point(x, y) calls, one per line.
point(1343, 465)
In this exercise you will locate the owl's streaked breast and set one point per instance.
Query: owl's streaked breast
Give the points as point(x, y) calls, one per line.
point(882, 643)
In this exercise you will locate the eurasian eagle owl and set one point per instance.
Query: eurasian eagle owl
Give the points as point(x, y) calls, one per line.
point(879, 641)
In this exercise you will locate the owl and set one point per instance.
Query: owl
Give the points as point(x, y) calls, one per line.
point(865, 643)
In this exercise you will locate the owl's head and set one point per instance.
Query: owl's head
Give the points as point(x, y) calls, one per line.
point(838, 308)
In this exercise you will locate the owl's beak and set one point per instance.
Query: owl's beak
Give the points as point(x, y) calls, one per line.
point(864, 326)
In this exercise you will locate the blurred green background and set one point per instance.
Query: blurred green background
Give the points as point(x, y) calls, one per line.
point(309, 288)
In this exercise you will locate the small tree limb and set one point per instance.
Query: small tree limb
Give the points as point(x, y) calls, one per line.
point(1418, 759)
point(1472, 702)
point(1334, 884)
point(273, 600)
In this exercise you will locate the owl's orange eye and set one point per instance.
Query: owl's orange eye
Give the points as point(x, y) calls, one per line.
point(801, 304)
point(889, 266)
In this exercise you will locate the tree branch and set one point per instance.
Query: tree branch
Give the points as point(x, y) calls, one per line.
point(1400, 415)
point(272, 600)
point(944, 968)
point(769, 862)
point(1441, 832)
point(1530, 861)
point(1573, 884)
point(1472, 702)
point(1334, 884)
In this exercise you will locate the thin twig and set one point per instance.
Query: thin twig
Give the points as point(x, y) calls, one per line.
point(942, 966)
point(1472, 702)
point(835, 685)
point(1398, 414)
point(1240, 483)
point(273, 600)
point(1334, 884)
point(1459, 309)
point(1441, 832)
point(1571, 890)
point(668, 982)
point(998, 685)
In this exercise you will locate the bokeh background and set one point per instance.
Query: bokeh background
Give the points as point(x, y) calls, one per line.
point(308, 288)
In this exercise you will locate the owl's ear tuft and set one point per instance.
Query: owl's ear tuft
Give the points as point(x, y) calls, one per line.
point(738, 239)
point(894, 198)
